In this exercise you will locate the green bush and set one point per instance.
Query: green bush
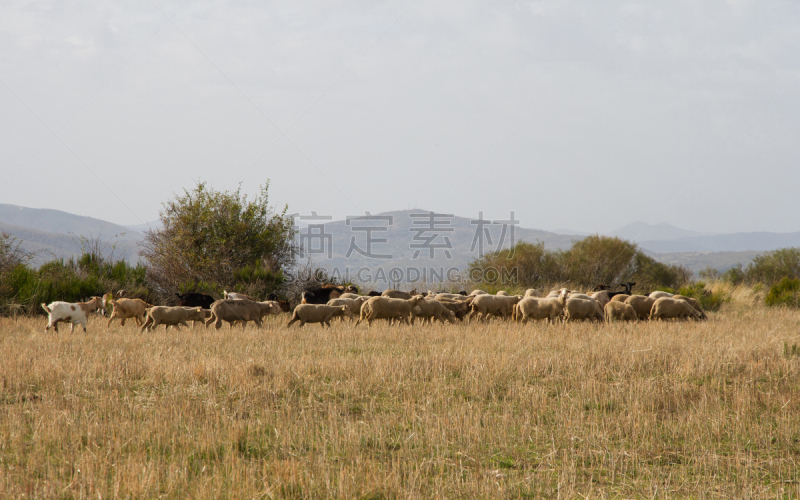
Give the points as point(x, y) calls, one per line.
point(785, 293)
point(26, 288)
point(772, 267)
point(210, 241)
point(591, 261)
point(708, 301)
point(735, 275)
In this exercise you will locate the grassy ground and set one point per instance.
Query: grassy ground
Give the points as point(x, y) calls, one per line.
point(497, 411)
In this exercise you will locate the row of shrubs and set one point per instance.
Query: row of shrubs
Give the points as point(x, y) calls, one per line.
point(24, 288)
point(768, 269)
point(600, 259)
point(589, 262)
point(779, 270)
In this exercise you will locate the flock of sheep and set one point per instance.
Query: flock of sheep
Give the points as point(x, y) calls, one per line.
point(393, 305)
point(559, 304)
point(237, 308)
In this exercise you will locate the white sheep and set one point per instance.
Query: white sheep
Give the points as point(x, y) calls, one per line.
point(389, 308)
point(353, 304)
point(601, 297)
point(317, 313)
point(484, 305)
point(581, 309)
point(236, 296)
point(541, 308)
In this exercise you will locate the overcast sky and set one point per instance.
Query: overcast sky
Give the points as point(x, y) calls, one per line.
point(581, 115)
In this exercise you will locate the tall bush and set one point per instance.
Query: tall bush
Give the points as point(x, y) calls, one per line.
point(771, 267)
point(589, 262)
point(213, 240)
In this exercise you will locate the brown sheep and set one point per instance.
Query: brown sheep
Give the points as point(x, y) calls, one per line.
point(317, 313)
point(128, 308)
point(670, 308)
point(620, 311)
point(429, 309)
point(578, 308)
point(172, 316)
point(694, 304)
point(642, 304)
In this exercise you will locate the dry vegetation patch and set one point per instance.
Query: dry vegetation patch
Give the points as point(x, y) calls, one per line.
point(478, 411)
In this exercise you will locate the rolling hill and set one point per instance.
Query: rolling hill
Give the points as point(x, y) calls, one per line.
point(51, 234)
point(56, 234)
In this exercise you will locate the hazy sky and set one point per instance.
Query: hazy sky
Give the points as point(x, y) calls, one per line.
point(582, 115)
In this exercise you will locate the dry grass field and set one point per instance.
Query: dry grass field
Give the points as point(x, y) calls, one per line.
point(479, 411)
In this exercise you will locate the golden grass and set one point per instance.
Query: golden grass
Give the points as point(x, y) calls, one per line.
point(646, 410)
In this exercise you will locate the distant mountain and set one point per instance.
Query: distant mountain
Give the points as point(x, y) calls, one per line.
point(56, 221)
point(48, 246)
point(569, 232)
point(141, 228)
point(401, 244)
point(642, 231)
point(698, 261)
point(55, 234)
point(51, 234)
point(737, 242)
